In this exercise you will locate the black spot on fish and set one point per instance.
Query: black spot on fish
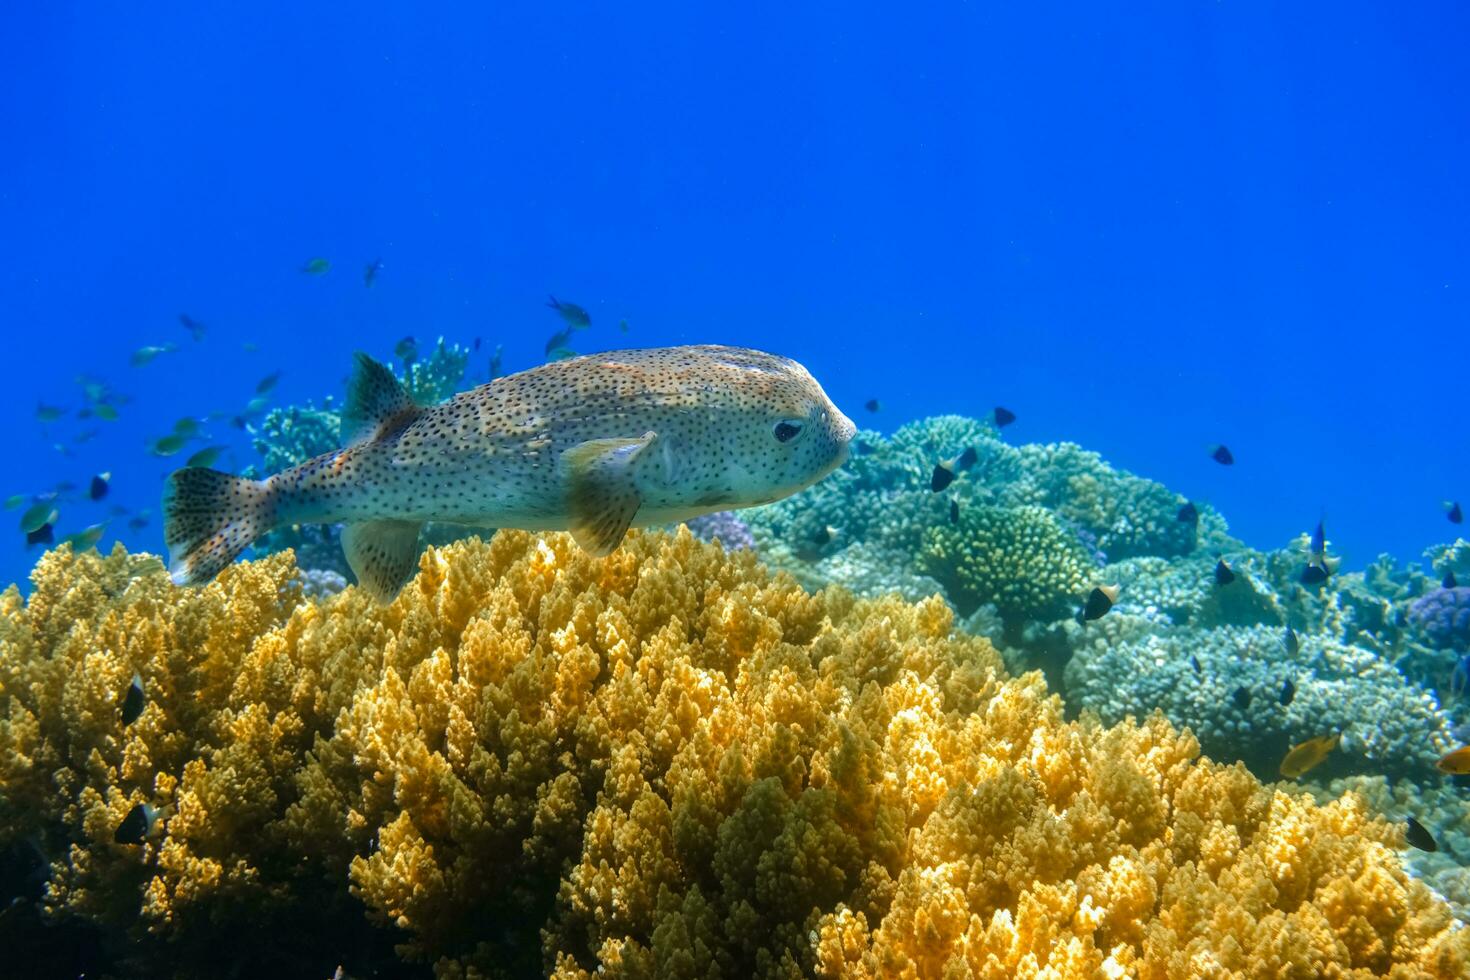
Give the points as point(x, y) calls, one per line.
point(1314, 574)
point(1188, 514)
point(132, 705)
point(1417, 836)
point(943, 477)
point(1223, 455)
point(954, 511)
point(1449, 581)
point(1003, 417)
point(1223, 573)
point(1288, 692)
point(1242, 698)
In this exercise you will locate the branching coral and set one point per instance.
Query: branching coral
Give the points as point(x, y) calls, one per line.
point(659, 763)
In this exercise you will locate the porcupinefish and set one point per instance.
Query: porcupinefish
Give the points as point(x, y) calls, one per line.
point(593, 444)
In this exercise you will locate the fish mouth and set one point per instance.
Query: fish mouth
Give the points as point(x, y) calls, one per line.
point(843, 429)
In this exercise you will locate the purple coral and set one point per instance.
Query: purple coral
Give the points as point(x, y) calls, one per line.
point(1443, 617)
point(725, 527)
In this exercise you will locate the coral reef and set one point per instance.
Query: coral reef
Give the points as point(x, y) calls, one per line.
point(1020, 559)
point(725, 527)
point(1387, 723)
point(1442, 809)
point(664, 762)
point(882, 500)
point(1033, 527)
point(1443, 617)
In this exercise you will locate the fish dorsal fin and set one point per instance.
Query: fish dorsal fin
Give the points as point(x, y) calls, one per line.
point(382, 554)
point(376, 403)
point(602, 495)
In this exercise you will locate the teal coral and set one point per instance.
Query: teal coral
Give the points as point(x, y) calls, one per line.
point(882, 499)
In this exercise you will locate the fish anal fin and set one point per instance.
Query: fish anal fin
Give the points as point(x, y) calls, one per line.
point(377, 406)
point(602, 495)
point(382, 554)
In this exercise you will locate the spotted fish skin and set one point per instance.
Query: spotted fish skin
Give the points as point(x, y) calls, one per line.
point(592, 444)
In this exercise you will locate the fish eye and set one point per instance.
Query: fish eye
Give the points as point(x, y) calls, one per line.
point(786, 430)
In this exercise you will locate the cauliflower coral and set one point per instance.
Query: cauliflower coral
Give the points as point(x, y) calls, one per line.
point(662, 763)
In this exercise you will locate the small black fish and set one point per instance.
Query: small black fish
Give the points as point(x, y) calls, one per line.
point(99, 486)
point(1288, 692)
point(1242, 698)
point(45, 534)
point(1188, 514)
point(1223, 573)
point(946, 470)
point(136, 826)
point(1003, 417)
point(954, 511)
point(873, 405)
point(138, 523)
point(1223, 455)
point(1314, 574)
point(1099, 601)
point(195, 328)
point(1417, 836)
point(1193, 659)
point(1455, 514)
point(476, 346)
point(268, 382)
point(132, 705)
point(824, 535)
point(1449, 581)
point(1291, 641)
point(370, 274)
point(1319, 542)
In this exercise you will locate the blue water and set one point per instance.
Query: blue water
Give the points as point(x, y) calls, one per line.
point(1238, 223)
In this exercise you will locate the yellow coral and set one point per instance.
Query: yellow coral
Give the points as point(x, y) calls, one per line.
point(664, 762)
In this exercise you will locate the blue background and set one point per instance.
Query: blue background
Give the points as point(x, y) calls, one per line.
point(1144, 230)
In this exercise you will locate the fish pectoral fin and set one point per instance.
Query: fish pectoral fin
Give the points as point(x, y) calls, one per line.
point(602, 495)
point(377, 405)
point(382, 554)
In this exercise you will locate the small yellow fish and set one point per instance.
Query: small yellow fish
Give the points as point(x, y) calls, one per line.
point(1456, 763)
point(1307, 756)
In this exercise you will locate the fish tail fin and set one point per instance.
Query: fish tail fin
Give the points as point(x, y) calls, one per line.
point(210, 517)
